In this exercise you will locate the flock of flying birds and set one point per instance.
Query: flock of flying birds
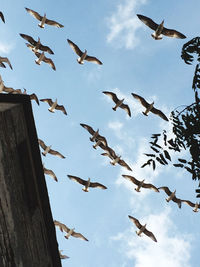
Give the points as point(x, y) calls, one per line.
point(35, 47)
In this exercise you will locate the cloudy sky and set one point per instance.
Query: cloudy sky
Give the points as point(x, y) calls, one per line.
point(132, 63)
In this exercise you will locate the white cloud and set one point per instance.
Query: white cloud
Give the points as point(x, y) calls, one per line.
point(124, 23)
point(169, 249)
point(5, 48)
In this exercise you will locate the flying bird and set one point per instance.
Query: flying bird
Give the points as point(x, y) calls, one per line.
point(96, 137)
point(150, 107)
point(6, 60)
point(83, 55)
point(62, 257)
point(142, 228)
point(50, 173)
point(69, 231)
point(196, 205)
point(32, 96)
point(41, 57)
point(171, 196)
point(43, 19)
point(2, 17)
point(47, 149)
point(54, 105)
point(119, 103)
point(160, 29)
point(115, 159)
point(87, 183)
point(36, 45)
point(140, 183)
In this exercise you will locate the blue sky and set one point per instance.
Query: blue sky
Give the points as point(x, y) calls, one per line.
point(132, 63)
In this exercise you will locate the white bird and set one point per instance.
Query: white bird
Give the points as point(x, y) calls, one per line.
point(150, 107)
point(43, 19)
point(47, 149)
point(142, 228)
point(160, 29)
point(119, 103)
point(54, 105)
point(41, 57)
point(140, 183)
point(171, 196)
point(70, 232)
point(83, 55)
point(87, 183)
point(196, 205)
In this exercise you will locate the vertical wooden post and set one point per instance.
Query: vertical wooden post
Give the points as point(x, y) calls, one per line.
point(27, 232)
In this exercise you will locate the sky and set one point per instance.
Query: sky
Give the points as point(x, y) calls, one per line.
point(133, 62)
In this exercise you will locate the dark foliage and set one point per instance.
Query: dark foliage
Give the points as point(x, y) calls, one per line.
point(185, 126)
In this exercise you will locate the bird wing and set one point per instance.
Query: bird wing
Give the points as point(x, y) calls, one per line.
point(34, 97)
point(112, 95)
point(47, 100)
point(46, 49)
point(111, 153)
point(56, 153)
point(2, 16)
point(177, 200)
point(135, 221)
point(30, 46)
point(149, 22)
point(150, 186)
point(189, 203)
point(141, 99)
point(88, 128)
point(51, 173)
point(34, 14)
point(150, 234)
point(93, 59)
point(173, 33)
point(42, 144)
point(132, 179)
point(50, 62)
point(98, 185)
point(53, 23)
point(5, 59)
point(159, 113)
point(126, 108)
point(75, 48)
point(79, 235)
point(62, 108)
point(28, 38)
point(2, 65)
point(166, 189)
point(77, 179)
point(62, 226)
point(8, 89)
point(124, 164)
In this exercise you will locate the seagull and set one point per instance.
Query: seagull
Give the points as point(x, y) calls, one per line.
point(32, 96)
point(36, 45)
point(95, 135)
point(83, 55)
point(160, 29)
point(51, 173)
point(54, 105)
point(70, 232)
point(41, 57)
point(142, 228)
point(140, 183)
point(10, 90)
point(171, 195)
point(119, 103)
point(47, 149)
point(87, 183)
point(5, 59)
point(150, 107)
point(2, 17)
point(196, 206)
point(62, 257)
point(43, 19)
point(115, 159)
